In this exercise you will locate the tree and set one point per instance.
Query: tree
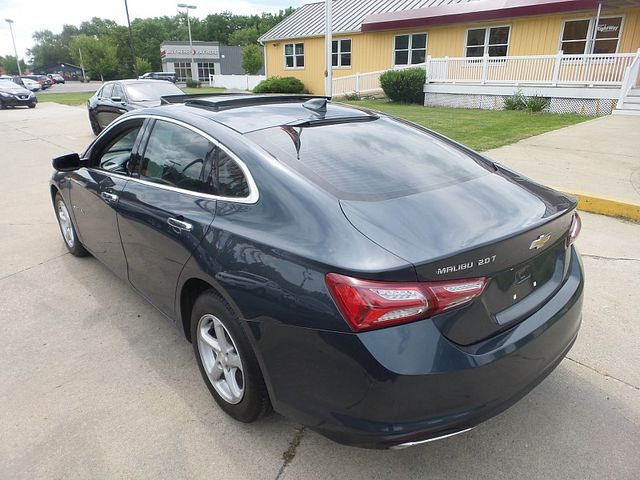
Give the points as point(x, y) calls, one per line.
point(99, 56)
point(51, 48)
point(11, 66)
point(252, 60)
point(143, 65)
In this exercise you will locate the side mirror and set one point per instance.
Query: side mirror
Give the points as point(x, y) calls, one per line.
point(116, 99)
point(67, 163)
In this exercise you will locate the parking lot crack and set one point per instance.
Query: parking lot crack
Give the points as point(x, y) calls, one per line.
point(33, 266)
point(289, 454)
point(606, 375)
point(602, 257)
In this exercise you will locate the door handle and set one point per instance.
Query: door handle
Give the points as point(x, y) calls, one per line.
point(109, 197)
point(179, 224)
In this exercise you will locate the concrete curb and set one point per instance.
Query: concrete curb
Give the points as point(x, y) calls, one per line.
point(606, 206)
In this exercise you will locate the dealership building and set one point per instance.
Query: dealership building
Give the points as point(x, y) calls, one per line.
point(207, 58)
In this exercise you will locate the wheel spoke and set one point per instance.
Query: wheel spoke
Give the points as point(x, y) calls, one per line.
point(233, 361)
point(230, 377)
point(220, 336)
point(211, 341)
point(215, 372)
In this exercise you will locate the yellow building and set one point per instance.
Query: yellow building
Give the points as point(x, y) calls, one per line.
point(493, 46)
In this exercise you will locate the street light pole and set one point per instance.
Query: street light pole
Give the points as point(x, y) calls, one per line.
point(10, 22)
point(194, 72)
point(133, 50)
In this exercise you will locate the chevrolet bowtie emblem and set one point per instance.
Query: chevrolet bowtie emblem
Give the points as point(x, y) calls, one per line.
point(540, 241)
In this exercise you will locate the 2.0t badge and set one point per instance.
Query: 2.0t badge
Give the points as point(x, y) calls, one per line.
point(540, 241)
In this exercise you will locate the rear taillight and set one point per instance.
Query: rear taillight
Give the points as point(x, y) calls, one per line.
point(369, 304)
point(574, 230)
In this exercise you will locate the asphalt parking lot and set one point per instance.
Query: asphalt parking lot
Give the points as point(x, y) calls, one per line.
point(96, 384)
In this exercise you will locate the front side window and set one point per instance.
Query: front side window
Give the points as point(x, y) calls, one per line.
point(107, 90)
point(294, 55)
point(115, 153)
point(341, 53)
point(177, 156)
point(577, 36)
point(492, 41)
point(117, 91)
point(410, 49)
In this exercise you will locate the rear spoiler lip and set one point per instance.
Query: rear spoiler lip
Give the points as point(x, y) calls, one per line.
point(181, 98)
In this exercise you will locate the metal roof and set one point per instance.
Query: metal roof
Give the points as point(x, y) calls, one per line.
point(347, 16)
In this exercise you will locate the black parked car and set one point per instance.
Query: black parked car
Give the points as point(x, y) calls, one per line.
point(362, 275)
point(121, 96)
point(14, 95)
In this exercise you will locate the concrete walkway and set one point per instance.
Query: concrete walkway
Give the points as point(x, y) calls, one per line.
point(600, 158)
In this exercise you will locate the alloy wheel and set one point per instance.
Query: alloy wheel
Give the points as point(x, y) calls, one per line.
point(221, 359)
point(65, 224)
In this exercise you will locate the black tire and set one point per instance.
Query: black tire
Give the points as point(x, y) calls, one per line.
point(255, 399)
point(95, 126)
point(74, 246)
point(32, 105)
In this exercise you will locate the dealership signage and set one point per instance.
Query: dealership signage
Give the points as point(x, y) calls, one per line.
point(184, 51)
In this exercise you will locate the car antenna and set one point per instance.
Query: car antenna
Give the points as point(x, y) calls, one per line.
point(316, 105)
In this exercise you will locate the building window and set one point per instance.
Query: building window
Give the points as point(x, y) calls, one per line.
point(341, 53)
point(492, 41)
point(183, 71)
point(294, 55)
point(577, 35)
point(204, 70)
point(410, 49)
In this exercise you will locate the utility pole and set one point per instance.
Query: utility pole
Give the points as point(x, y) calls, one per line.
point(133, 51)
point(10, 22)
point(194, 71)
point(84, 78)
point(328, 43)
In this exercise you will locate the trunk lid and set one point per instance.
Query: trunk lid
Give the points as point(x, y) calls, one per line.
point(500, 226)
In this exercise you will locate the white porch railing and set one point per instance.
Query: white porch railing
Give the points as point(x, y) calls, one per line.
point(588, 70)
point(545, 70)
point(631, 77)
point(239, 82)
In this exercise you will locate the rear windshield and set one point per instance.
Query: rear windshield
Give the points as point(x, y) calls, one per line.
point(373, 160)
point(150, 92)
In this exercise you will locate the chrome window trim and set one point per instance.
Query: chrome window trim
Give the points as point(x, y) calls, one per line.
point(251, 199)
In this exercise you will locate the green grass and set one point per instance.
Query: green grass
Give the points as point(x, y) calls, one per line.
point(478, 129)
point(203, 90)
point(80, 98)
point(72, 98)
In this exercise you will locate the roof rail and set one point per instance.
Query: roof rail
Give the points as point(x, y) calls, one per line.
point(217, 103)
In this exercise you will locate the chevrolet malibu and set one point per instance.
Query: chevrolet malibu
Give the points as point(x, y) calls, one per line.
point(359, 274)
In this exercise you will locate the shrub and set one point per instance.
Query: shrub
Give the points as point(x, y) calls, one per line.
point(515, 101)
point(536, 103)
point(191, 83)
point(353, 96)
point(280, 85)
point(405, 85)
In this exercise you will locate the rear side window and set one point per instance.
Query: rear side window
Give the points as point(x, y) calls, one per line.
point(179, 157)
point(373, 160)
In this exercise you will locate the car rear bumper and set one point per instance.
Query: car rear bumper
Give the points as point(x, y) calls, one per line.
point(408, 384)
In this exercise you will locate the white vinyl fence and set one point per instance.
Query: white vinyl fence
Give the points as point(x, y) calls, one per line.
point(362, 82)
point(604, 69)
point(240, 82)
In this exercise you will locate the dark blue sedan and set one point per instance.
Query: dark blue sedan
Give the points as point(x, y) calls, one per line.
point(362, 275)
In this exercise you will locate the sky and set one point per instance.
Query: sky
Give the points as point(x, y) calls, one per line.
point(30, 16)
